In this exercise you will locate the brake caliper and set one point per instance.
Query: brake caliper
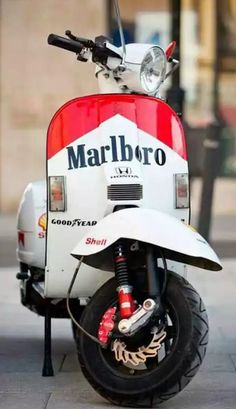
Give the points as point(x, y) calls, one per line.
point(106, 325)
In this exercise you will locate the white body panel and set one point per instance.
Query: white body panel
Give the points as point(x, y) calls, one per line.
point(89, 185)
point(31, 225)
point(150, 226)
point(107, 83)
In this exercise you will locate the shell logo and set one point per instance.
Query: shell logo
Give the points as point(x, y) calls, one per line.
point(43, 221)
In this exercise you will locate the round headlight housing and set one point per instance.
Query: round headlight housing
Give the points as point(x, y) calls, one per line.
point(153, 69)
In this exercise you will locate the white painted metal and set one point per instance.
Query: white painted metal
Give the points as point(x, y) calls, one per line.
point(106, 82)
point(31, 246)
point(130, 77)
point(87, 199)
point(150, 226)
point(134, 57)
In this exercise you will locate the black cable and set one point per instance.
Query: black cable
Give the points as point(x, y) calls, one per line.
point(165, 272)
point(69, 310)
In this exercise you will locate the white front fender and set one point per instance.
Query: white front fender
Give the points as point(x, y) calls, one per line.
point(180, 242)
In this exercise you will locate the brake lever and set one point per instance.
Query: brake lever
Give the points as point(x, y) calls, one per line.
point(69, 34)
point(86, 43)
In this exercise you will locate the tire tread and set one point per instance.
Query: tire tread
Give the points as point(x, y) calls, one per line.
point(197, 352)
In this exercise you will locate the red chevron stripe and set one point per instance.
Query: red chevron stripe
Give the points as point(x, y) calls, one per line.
point(81, 115)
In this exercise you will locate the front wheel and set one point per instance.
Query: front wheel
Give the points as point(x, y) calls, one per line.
point(160, 377)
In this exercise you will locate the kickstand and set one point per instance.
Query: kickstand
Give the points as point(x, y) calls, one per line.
point(47, 364)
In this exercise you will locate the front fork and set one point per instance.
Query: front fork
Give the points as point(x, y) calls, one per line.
point(153, 275)
point(126, 302)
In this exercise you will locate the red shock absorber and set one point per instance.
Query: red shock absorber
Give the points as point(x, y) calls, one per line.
point(126, 301)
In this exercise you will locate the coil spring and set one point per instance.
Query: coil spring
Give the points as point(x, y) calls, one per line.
point(121, 270)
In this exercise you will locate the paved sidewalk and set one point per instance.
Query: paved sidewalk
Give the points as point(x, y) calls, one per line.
point(21, 353)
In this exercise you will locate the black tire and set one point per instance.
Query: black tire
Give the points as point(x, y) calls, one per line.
point(74, 330)
point(172, 374)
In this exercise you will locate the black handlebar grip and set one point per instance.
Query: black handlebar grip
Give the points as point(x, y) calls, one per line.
point(65, 43)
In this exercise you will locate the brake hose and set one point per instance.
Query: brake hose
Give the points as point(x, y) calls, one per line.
point(165, 272)
point(70, 312)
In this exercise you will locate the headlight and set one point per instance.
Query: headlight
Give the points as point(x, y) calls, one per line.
point(153, 69)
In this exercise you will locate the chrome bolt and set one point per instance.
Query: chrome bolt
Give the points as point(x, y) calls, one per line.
point(149, 304)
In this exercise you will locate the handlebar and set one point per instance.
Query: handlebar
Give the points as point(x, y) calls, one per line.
point(65, 43)
point(97, 49)
point(84, 41)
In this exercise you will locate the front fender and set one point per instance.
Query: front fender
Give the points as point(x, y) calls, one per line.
point(179, 241)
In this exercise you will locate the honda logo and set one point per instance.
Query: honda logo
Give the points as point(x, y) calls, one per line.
point(123, 170)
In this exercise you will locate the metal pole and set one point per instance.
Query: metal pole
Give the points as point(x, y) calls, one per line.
point(175, 94)
point(210, 172)
point(211, 144)
point(175, 35)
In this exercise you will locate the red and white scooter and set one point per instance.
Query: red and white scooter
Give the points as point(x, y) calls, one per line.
point(106, 238)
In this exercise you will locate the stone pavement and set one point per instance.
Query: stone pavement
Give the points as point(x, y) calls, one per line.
point(21, 353)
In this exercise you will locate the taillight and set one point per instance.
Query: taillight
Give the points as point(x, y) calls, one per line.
point(57, 202)
point(181, 191)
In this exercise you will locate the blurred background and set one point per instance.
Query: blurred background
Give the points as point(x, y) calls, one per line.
point(37, 79)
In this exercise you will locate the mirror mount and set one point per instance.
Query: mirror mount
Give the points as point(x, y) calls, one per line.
point(122, 39)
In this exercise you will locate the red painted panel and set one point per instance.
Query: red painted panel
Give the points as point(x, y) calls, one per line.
point(81, 115)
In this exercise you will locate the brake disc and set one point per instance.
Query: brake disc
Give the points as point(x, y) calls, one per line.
point(140, 356)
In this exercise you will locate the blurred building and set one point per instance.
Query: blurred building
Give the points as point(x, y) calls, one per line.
point(37, 79)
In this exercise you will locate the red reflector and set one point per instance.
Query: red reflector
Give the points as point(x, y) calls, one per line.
point(57, 194)
point(170, 49)
point(181, 191)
